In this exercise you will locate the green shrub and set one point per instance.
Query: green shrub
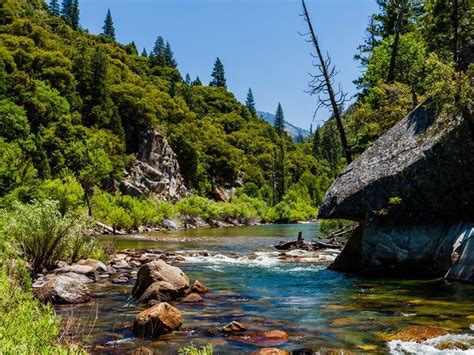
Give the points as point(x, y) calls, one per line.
point(194, 350)
point(26, 326)
point(199, 206)
point(44, 235)
point(67, 191)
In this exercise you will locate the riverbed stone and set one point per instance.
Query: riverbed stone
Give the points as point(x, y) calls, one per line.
point(157, 320)
point(193, 298)
point(63, 290)
point(96, 264)
point(418, 333)
point(198, 287)
point(269, 351)
point(234, 327)
point(159, 270)
point(160, 291)
point(269, 338)
point(85, 270)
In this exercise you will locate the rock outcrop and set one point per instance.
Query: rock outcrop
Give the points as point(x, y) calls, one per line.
point(155, 170)
point(413, 192)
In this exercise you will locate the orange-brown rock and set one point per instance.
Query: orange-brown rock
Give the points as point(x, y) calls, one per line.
point(157, 320)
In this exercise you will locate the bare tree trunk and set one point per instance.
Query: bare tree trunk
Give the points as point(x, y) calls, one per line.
point(330, 90)
point(393, 57)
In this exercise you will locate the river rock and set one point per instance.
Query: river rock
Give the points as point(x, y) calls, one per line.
point(269, 351)
point(413, 193)
point(198, 287)
point(193, 298)
point(159, 270)
point(170, 224)
point(62, 290)
point(418, 333)
point(85, 270)
point(160, 291)
point(268, 338)
point(96, 264)
point(234, 327)
point(157, 320)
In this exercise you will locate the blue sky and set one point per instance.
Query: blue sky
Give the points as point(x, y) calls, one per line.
point(257, 40)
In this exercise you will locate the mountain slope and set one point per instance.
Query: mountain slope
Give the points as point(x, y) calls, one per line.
point(290, 128)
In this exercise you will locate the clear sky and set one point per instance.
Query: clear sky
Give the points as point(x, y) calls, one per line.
point(257, 40)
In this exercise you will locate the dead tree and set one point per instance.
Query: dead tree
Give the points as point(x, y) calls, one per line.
point(322, 85)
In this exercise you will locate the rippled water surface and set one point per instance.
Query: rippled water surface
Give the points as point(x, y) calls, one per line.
point(321, 310)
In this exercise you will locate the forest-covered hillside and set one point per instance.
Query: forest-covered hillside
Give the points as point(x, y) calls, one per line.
point(73, 105)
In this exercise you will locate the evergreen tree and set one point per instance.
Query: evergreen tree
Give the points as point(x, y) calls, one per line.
point(66, 11)
point(279, 123)
point(168, 55)
point(158, 53)
point(187, 79)
point(54, 8)
point(108, 28)
point(144, 53)
point(250, 102)
point(218, 75)
point(75, 15)
point(98, 87)
point(316, 148)
point(132, 48)
point(197, 82)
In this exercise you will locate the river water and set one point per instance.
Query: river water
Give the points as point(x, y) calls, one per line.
point(321, 310)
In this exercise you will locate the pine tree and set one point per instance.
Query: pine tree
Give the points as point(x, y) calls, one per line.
point(218, 75)
point(158, 53)
point(144, 53)
point(75, 14)
point(250, 102)
point(316, 149)
point(197, 82)
point(279, 123)
point(98, 85)
point(187, 79)
point(108, 28)
point(169, 57)
point(66, 11)
point(132, 48)
point(54, 8)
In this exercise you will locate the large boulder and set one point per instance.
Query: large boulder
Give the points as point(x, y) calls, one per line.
point(157, 320)
point(160, 291)
point(96, 264)
point(159, 270)
point(155, 171)
point(62, 289)
point(85, 270)
point(413, 191)
point(424, 161)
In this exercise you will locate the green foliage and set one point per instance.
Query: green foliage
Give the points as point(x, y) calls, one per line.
point(250, 102)
point(67, 191)
point(279, 120)
point(195, 350)
point(44, 235)
point(26, 326)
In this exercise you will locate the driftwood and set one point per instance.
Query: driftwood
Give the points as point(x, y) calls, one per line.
point(311, 246)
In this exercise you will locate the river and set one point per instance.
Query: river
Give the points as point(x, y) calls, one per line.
point(321, 310)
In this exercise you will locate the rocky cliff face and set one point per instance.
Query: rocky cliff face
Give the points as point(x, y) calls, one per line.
point(155, 170)
point(413, 192)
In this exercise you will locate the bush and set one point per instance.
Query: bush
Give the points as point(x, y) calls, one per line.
point(328, 226)
point(194, 350)
point(44, 235)
point(199, 206)
point(26, 326)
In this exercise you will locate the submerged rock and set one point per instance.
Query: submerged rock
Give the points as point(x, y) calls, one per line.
point(269, 351)
point(417, 333)
point(193, 298)
point(198, 287)
point(159, 270)
point(234, 327)
point(413, 191)
point(265, 339)
point(63, 290)
point(157, 320)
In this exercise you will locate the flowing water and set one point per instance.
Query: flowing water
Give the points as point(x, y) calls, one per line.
point(321, 310)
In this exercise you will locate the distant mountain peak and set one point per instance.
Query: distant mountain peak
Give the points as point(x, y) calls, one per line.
point(290, 128)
